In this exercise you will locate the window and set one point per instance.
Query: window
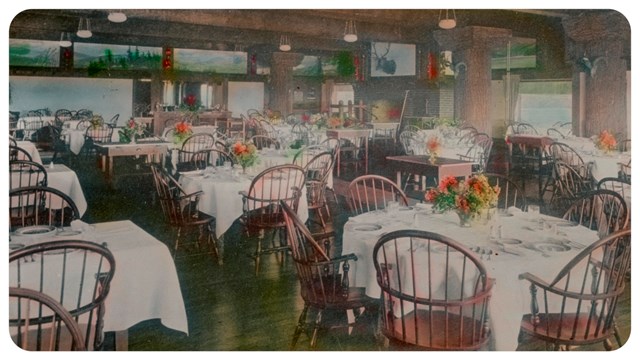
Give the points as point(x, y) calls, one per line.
point(543, 103)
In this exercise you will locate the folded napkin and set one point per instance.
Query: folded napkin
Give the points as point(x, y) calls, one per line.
point(514, 210)
point(79, 225)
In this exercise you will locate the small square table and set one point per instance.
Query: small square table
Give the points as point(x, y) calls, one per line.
point(420, 165)
point(154, 151)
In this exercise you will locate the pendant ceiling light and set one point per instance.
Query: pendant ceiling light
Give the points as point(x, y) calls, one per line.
point(117, 17)
point(65, 39)
point(285, 43)
point(84, 28)
point(446, 22)
point(350, 34)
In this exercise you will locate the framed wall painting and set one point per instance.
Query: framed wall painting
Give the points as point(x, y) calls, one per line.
point(391, 59)
point(221, 62)
point(36, 53)
point(125, 57)
point(520, 54)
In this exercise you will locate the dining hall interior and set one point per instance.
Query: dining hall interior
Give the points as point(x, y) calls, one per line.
point(319, 179)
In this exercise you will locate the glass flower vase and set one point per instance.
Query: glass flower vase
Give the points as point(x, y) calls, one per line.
point(465, 219)
point(433, 157)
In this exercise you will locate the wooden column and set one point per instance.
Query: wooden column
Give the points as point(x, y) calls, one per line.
point(472, 92)
point(599, 46)
point(282, 64)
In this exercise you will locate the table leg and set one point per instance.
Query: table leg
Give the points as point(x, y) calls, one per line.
point(122, 340)
point(366, 155)
point(338, 161)
point(110, 170)
point(399, 178)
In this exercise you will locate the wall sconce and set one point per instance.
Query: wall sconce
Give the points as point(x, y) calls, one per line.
point(117, 17)
point(84, 28)
point(447, 23)
point(350, 34)
point(65, 39)
point(285, 43)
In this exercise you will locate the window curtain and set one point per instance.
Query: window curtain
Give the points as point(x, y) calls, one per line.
point(511, 92)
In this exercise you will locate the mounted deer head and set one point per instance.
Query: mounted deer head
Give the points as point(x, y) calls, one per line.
point(382, 63)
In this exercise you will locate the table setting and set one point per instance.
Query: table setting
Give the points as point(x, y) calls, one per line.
point(221, 186)
point(509, 243)
point(145, 285)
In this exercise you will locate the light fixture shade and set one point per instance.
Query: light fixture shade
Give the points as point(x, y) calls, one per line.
point(84, 28)
point(350, 34)
point(285, 43)
point(447, 23)
point(117, 16)
point(65, 39)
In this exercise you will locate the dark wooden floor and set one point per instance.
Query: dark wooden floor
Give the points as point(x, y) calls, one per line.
point(229, 307)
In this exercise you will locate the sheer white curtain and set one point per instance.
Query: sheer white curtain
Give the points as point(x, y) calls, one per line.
point(168, 93)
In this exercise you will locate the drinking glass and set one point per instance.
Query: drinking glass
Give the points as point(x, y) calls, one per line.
point(534, 211)
point(227, 165)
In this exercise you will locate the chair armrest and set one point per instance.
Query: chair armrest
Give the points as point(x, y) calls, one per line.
point(534, 280)
point(335, 260)
point(188, 196)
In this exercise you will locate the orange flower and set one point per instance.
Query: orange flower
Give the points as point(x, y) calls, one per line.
point(433, 145)
point(430, 195)
point(448, 182)
point(183, 127)
point(606, 141)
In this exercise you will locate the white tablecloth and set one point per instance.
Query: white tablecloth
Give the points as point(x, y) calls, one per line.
point(145, 284)
point(269, 159)
point(75, 138)
point(511, 297)
point(605, 165)
point(221, 200)
point(451, 147)
point(31, 149)
point(60, 177)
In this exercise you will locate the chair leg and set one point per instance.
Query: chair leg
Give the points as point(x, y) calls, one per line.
point(177, 244)
point(316, 327)
point(301, 324)
point(212, 242)
point(616, 334)
point(257, 254)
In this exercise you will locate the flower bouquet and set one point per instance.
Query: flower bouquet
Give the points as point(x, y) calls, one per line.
point(181, 132)
point(96, 121)
point(245, 154)
point(131, 131)
point(468, 199)
point(190, 107)
point(433, 148)
point(606, 141)
point(334, 122)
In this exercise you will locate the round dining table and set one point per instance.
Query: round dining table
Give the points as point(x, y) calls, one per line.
point(511, 243)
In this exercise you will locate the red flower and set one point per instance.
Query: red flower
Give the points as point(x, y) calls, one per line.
point(190, 100)
point(305, 118)
point(447, 182)
point(430, 195)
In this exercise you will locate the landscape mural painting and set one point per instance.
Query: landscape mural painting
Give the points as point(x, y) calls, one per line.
point(37, 53)
point(213, 61)
point(109, 56)
point(521, 54)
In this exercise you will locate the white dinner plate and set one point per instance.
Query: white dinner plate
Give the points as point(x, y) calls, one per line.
point(36, 231)
point(14, 246)
point(508, 241)
point(405, 208)
point(367, 227)
point(68, 233)
point(551, 246)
